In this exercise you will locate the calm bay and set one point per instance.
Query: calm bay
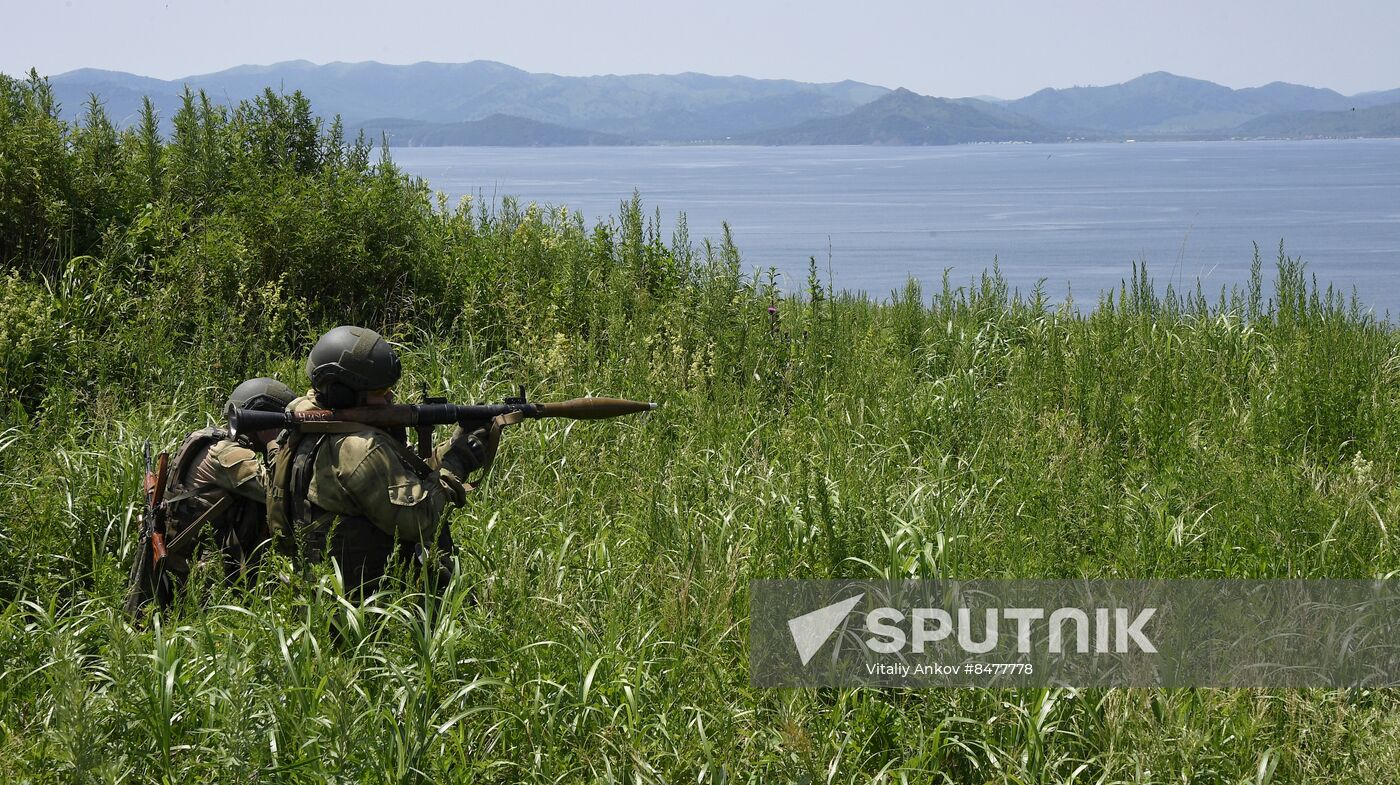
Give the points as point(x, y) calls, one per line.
point(1076, 216)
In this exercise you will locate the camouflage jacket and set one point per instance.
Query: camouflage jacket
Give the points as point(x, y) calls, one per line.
point(208, 469)
point(369, 474)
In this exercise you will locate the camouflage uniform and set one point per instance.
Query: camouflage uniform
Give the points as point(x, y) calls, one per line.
point(215, 487)
point(355, 496)
point(213, 470)
point(356, 493)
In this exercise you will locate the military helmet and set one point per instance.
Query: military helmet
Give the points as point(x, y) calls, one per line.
point(263, 393)
point(351, 360)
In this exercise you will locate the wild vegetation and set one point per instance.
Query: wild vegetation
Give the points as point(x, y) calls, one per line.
point(596, 630)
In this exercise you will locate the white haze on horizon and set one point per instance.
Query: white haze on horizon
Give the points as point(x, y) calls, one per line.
point(1002, 49)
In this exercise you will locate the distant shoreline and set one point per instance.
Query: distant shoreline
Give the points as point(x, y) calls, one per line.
point(1065, 143)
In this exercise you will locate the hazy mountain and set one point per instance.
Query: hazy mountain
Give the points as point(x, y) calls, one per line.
point(119, 92)
point(1375, 121)
point(1284, 96)
point(498, 130)
point(1377, 98)
point(734, 119)
point(99, 78)
point(676, 107)
point(1164, 103)
point(483, 102)
point(906, 118)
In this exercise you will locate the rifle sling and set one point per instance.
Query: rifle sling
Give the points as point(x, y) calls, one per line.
point(192, 531)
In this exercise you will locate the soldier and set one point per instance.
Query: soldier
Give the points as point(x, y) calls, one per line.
point(359, 494)
point(216, 485)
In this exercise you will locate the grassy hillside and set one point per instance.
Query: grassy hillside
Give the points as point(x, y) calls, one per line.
point(597, 630)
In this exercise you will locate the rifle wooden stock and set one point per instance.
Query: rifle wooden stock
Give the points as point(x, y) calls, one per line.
point(147, 578)
point(158, 498)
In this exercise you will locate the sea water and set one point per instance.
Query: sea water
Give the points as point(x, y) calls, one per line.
point(1070, 217)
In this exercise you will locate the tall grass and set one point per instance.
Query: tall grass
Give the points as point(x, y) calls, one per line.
point(597, 626)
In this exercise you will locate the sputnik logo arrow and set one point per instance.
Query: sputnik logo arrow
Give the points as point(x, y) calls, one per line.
point(811, 630)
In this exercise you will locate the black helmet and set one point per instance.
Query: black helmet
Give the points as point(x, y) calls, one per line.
point(263, 393)
point(348, 361)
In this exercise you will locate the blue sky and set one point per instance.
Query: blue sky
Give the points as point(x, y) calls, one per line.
point(1006, 49)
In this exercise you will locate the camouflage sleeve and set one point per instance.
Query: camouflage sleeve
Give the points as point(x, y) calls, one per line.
point(452, 471)
point(385, 489)
point(238, 470)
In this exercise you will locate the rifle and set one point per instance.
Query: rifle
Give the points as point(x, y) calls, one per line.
point(423, 417)
point(147, 579)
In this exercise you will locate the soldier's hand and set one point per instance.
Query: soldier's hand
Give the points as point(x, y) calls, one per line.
point(469, 445)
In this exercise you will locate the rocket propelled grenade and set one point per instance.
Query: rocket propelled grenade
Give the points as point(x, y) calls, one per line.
point(427, 415)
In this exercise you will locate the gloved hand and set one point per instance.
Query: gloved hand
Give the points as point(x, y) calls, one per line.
point(469, 446)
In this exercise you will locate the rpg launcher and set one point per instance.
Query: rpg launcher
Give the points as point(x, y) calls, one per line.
point(423, 417)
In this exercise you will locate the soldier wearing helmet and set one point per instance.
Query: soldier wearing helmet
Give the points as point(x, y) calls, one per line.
point(360, 495)
point(216, 490)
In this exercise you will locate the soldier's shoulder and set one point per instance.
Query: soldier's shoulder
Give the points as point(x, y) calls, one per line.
point(352, 450)
point(197, 446)
point(229, 453)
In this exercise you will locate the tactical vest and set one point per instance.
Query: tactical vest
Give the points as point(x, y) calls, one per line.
point(302, 529)
point(298, 526)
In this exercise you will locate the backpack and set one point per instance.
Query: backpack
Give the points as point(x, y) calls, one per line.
point(180, 496)
point(238, 523)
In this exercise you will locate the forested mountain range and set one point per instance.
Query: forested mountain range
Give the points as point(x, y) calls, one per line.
point(1375, 121)
point(483, 102)
point(1166, 103)
point(906, 118)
